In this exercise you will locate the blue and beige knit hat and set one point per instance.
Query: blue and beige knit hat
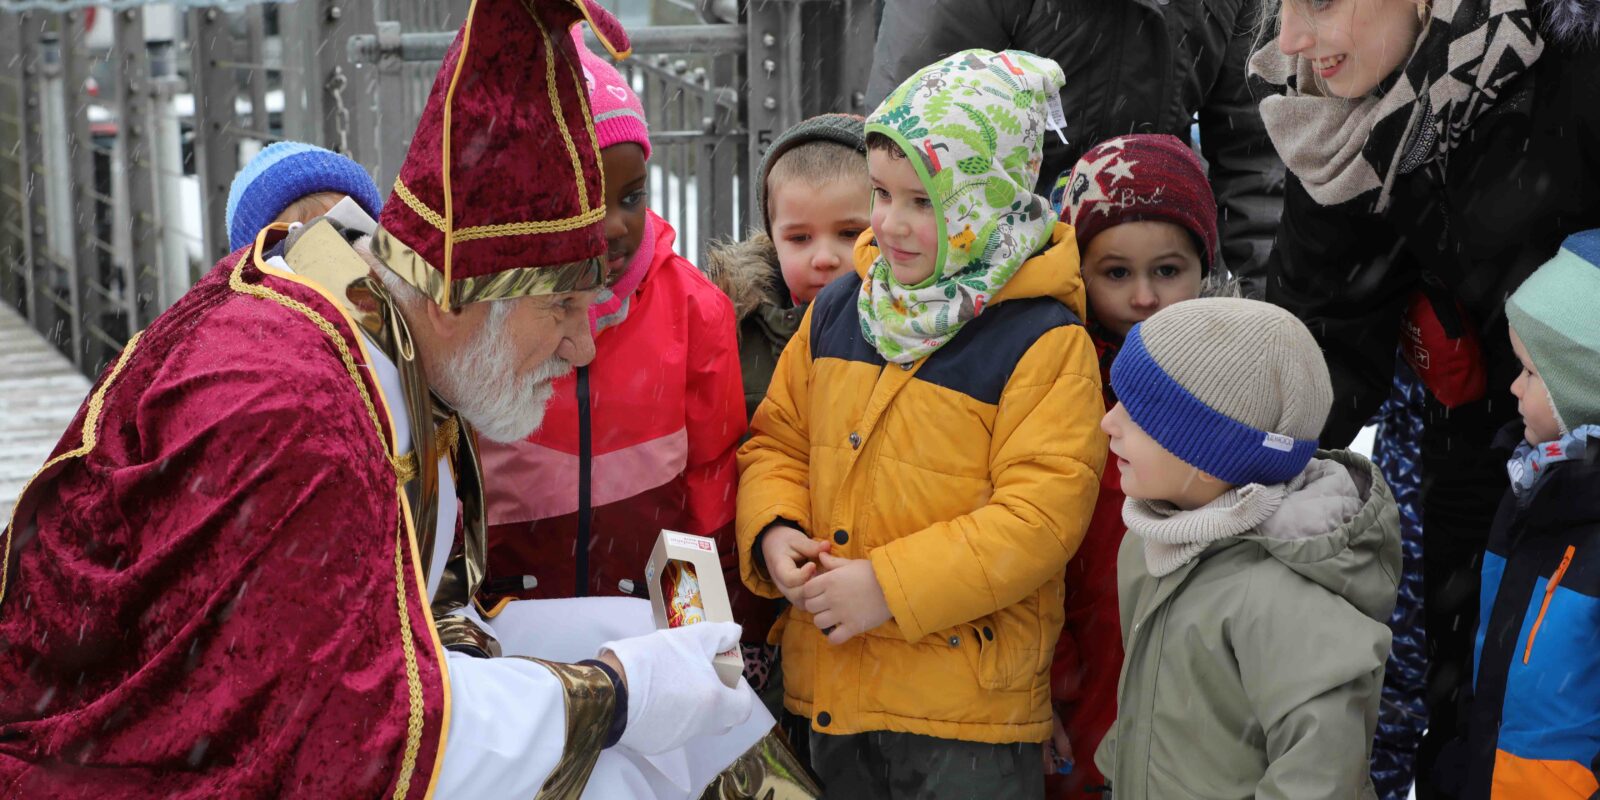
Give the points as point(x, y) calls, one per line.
point(1235, 388)
point(285, 172)
point(1554, 315)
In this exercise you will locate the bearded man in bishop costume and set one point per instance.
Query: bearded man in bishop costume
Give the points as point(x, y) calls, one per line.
point(251, 565)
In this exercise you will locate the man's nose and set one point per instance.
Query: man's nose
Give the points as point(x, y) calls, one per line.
point(577, 342)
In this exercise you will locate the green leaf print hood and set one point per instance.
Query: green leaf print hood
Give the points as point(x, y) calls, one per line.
point(973, 127)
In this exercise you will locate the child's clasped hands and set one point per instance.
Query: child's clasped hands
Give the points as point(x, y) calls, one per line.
point(841, 594)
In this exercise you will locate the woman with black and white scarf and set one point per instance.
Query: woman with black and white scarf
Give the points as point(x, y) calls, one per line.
point(1438, 152)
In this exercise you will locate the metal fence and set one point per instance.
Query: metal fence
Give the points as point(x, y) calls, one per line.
point(121, 131)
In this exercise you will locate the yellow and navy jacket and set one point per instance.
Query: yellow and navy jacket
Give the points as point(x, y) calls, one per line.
point(1535, 719)
point(967, 478)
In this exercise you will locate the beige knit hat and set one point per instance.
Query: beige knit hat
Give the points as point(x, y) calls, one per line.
point(1236, 388)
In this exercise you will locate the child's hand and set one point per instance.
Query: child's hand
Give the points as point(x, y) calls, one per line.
point(790, 556)
point(1057, 748)
point(846, 597)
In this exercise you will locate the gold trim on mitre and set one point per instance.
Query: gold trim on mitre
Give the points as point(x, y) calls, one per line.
point(473, 232)
point(599, 34)
point(577, 276)
point(589, 213)
point(560, 114)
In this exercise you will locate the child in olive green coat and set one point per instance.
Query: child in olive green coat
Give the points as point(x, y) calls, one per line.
point(1258, 572)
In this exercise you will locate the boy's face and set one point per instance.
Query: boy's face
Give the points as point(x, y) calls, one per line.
point(626, 203)
point(310, 207)
point(1135, 269)
point(1149, 472)
point(1533, 400)
point(904, 218)
point(814, 229)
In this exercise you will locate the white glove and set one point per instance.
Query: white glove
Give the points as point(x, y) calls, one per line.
point(674, 694)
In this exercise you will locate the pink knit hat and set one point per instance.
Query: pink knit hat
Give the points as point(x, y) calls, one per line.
point(618, 114)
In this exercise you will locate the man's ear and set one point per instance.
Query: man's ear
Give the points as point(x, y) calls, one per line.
point(442, 324)
point(454, 326)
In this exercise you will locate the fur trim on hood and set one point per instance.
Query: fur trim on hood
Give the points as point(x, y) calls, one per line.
point(1572, 22)
point(747, 272)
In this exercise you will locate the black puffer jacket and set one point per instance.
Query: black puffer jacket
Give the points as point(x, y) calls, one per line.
point(1524, 177)
point(1132, 66)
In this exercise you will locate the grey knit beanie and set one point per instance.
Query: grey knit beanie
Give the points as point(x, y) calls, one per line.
point(1236, 388)
point(846, 129)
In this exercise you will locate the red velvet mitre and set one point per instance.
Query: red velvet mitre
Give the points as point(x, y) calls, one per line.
point(501, 194)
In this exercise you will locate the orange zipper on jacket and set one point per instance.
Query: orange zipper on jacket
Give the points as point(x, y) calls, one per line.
point(1549, 592)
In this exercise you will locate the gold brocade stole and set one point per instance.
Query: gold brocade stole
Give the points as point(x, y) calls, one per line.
point(319, 252)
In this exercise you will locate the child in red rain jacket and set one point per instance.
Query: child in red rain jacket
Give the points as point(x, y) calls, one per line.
point(644, 437)
point(1146, 223)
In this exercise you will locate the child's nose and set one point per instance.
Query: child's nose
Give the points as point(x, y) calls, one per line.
point(615, 228)
point(897, 221)
point(1144, 295)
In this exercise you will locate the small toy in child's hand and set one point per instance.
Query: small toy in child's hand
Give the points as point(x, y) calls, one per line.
point(684, 577)
point(1060, 763)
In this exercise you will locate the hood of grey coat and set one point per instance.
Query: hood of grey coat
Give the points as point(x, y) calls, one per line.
point(1339, 528)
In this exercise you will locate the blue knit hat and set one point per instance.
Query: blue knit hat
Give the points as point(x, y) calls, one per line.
point(1235, 388)
point(285, 172)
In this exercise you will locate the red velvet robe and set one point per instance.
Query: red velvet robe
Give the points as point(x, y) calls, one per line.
point(210, 589)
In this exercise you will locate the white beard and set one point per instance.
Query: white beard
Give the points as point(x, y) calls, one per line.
point(480, 382)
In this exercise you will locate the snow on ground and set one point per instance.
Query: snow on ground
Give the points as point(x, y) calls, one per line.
point(1364, 441)
point(40, 391)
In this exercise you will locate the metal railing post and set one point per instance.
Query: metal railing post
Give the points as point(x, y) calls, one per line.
point(256, 42)
point(216, 146)
point(392, 121)
point(772, 73)
point(348, 91)
point(141, 263)
point(86, 306)
point(166, 153)
point(728, 172)
point(39, 306)
point(302, 96)
point(13, 201)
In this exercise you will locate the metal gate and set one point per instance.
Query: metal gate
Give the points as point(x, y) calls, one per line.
point(121, 131)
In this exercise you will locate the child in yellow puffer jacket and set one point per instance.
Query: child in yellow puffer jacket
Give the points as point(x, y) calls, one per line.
point(929, 453)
